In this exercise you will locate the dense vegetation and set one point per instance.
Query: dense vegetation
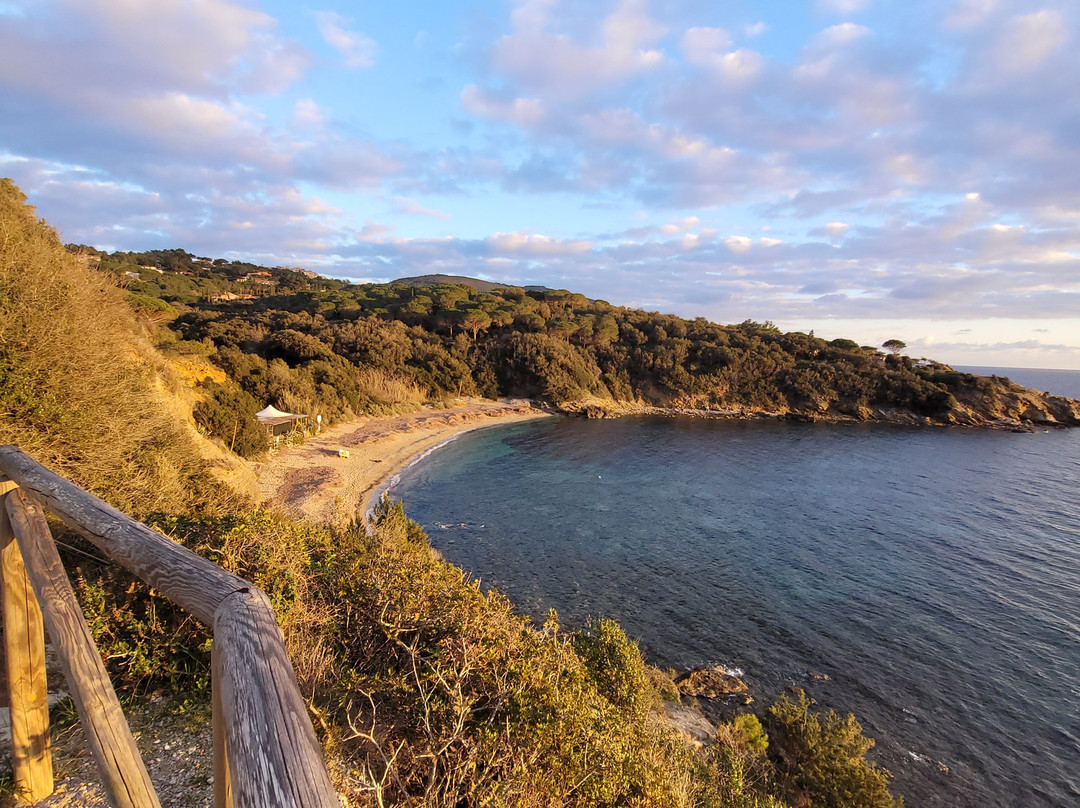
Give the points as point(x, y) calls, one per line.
point(434, 693)
point(431, 692)
point(324, 346)
point(77, 378)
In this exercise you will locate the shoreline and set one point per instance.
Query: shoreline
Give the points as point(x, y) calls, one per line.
point(313, 482)
point(383, 486)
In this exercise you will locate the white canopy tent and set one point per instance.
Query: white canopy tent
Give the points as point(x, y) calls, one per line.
point(275, 419)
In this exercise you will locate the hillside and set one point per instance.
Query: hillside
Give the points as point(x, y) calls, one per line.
point(453, 280)
point(316, 345)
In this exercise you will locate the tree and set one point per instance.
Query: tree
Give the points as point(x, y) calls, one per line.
point(894, 346)
point(820, 758)
point(228, 413)
point(476, 320)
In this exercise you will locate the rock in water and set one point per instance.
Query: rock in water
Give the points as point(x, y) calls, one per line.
point(713, 682)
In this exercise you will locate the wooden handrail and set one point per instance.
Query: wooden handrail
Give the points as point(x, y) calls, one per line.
point(191, 582)
point(266, 753)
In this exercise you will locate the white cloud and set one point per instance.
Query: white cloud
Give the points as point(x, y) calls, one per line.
point(680, 226)
point(557, 65)
point(742, 64)
point(967, 14)
point(710, 48)
point(356, 49)
point(414, 208)
point(527, 113)
point(1030, 39)
point(738, 244)
point(700, 46)
point(307, 112)
point(130, 47)
point(842, 6)
point(907, 167)
point(536, 244)
point(842, 34)
point(836, 229)
point(756, 29)
point(767, 241)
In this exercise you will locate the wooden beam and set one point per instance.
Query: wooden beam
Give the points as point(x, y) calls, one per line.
point(223, 796)
point(274, 757)
point(24, 652)
point(196, 585)
point(122, 771)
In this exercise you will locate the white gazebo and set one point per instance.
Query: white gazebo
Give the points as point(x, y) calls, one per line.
point(278, 422)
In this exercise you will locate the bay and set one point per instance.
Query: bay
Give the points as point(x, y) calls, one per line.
point(932, 574)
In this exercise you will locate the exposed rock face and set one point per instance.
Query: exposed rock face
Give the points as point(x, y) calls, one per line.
point(713, 683)
point(718, 693)
point(691, 724)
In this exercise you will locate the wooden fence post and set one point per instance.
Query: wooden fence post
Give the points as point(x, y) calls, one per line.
point(223, 796)
point(24, 650)
point(122, 770)
point(259, 700)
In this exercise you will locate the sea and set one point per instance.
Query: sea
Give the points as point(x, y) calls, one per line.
point(925, 579)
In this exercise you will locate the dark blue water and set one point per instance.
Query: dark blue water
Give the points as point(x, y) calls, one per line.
point(933, 574)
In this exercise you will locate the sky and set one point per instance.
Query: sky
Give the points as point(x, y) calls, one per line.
point(870, 169)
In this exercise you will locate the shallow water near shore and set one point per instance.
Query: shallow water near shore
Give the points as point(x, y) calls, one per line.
point(932, 574)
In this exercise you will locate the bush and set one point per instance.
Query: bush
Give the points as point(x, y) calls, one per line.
point(615, 665)
point(435, 691)
point(820, 758)
point(743, 774)
point(77, 377)
point(228, 413)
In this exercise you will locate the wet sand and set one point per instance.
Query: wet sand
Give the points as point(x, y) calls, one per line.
point(313, 482)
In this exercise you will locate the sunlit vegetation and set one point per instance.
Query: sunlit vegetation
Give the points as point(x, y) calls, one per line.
point(77, 377)
point(435, 693)
point(431, 691)
point(321, 345)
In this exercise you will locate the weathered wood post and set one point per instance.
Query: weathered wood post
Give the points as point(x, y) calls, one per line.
point(122, 771)
point(223, 796)
point(257, 696)
point(24, 650)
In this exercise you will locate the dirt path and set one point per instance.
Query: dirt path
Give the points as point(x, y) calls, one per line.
point(314, 482)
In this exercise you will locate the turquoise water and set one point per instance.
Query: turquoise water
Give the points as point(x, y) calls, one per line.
point(933, 574)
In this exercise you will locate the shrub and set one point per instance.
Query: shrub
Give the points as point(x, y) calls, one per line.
point(820, 758)
point(228, 413)
point(76, 376)
point(435, 691)
point(742, 772)
point(615, 665)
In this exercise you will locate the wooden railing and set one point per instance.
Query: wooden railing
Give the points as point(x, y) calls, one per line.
point(265, 751)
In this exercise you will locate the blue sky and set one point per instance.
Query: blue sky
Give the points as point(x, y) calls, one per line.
point(863, 168)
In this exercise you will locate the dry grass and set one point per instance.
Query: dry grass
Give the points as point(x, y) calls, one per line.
point(383, 386)
point(76, 376)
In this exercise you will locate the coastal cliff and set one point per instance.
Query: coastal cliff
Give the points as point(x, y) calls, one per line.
point(976, 401)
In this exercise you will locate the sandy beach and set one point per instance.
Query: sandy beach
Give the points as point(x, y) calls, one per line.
point(314, 482)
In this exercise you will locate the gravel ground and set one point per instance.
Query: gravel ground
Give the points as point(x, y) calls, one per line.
point(174, 741)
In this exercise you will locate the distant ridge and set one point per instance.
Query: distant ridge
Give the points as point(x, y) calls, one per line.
point(461, 280)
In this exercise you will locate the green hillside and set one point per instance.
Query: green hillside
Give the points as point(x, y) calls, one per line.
point(316, 345)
